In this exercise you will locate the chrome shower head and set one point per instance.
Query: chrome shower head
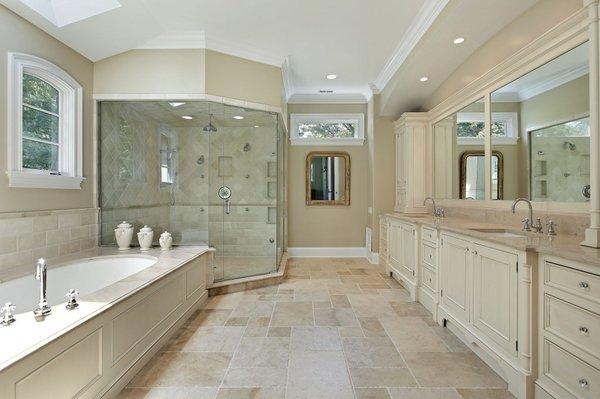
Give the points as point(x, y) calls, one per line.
point(210, 128)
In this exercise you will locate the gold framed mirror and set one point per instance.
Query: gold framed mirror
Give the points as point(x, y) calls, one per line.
point(328, 178)
point(472, 175)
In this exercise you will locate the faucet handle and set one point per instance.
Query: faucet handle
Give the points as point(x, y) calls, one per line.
point(72, 296)
point(551, 228)
point(526, 224)
point(8, 316)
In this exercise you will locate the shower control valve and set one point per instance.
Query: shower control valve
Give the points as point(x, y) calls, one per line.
point(72, 296)
point(8, 316)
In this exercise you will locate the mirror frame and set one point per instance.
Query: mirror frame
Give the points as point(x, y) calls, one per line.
point(463, 172)
point(346, 200)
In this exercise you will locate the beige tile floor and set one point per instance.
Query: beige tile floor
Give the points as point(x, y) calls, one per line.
point(334, 329)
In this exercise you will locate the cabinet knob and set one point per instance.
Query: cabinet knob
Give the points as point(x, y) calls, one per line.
point(474, 252)
point(584, 285)
point(583, 330)
point(583, 383)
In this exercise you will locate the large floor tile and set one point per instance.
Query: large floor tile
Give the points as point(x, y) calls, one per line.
point(209, 317)
point(382, 377)
point(335, 317)
point(315, 339)
point(410, 309)
point(287, 314)
point(262, 352)
point(205, 339)
point(372, 327)
point(370, 305)
point(485, 394)
point(453, 343)
point(371, 352)
point(459, 370)
point(255, 377)
point(183, 369)
point(424, 393)
point(371, 393)
point(318, 375)
point(412, 334)
point(250, 393)
point(168, 393)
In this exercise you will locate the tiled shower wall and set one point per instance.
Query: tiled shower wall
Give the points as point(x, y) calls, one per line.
point(27, 236)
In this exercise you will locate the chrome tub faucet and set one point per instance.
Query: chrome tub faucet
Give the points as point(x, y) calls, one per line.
point(40, 274)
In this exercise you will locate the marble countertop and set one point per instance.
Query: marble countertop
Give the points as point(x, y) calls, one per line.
point(27, 335)
point(565, 246)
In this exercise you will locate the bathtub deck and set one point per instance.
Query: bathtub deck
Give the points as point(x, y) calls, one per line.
point(334, 328)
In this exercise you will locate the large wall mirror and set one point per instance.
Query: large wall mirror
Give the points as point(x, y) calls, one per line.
point(540, 125)
point(458, 146)
point(328, 178)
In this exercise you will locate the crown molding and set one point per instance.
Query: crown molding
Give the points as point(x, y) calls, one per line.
point(423, 20)
point(286, 74)
point(199, 40)
point(329, 98)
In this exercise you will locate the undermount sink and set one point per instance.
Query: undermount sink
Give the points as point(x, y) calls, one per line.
point(499, 232)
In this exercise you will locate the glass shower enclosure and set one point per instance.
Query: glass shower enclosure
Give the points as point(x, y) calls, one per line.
point(209, 173)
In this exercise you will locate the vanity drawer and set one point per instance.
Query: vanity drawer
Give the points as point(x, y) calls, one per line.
point(577, 282)
point(429, 234)
point(573, 324)
point(571, 373)
point(428, 252)
point(428, 278)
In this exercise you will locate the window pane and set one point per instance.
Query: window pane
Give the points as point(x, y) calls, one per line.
point(40, 94)
point(475, 129)
point(39, 125)
point(38, 155)
point(326, 130)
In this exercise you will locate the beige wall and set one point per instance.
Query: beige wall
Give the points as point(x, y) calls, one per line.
point(526, 28)
point(327, 226)
point(18, 35)
point(242, 79)
point(151, 72)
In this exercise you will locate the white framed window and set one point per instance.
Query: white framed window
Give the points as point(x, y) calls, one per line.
point(45, 125)
point(470, 127)
point(327, 129)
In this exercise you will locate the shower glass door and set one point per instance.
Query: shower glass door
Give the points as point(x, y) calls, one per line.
point(244, 192)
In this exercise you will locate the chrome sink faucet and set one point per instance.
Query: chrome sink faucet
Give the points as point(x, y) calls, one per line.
point(437, 212)
point(40, 274)
point(528, 222)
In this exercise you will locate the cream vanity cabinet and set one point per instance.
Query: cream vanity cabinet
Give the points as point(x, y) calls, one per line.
point(383, 242)
point(569, 330)
point(411, 165)
point(428, 281)
point(402, 254)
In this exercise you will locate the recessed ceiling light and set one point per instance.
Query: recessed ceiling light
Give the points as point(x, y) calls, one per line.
point(256, 126)
point(238, 117)
point(331, 76)
point(459, 40)
point(424, 79)
point(187, 117)
point(176, 104)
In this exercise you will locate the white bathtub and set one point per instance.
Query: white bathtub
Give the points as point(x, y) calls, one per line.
point(86, 276)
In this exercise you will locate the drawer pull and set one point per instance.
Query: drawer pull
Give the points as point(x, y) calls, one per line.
point(430, 256)
point(583, 330)
point(583, 383)
point(584, 285)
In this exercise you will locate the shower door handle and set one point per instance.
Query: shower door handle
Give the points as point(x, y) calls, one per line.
point(227, 207)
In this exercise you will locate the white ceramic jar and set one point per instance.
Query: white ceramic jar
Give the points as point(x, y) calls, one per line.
point(145, 236)
point(165, 241)
point(124, 235)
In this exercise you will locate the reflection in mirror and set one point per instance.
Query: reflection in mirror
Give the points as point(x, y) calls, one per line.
point(541, 127)
point(328, 178)
point(472, 175)
point(454, 138)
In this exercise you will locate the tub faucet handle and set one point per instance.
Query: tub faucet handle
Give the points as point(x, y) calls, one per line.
point(551, 228)
point(8, 316)
point(72, 296)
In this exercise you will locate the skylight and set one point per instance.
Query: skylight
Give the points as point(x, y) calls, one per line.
point(65, 12)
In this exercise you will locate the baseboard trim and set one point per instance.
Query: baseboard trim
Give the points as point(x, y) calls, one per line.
point(327, 252)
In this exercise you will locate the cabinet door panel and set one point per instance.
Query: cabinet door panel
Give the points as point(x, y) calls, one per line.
point(455, 263)
point(408, 250)
point(495, 295)
point(394, 245)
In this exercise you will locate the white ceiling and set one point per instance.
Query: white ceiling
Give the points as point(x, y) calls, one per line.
point(365, 42)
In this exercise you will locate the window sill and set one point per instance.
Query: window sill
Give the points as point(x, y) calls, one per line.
point(355, 141)
point(21, 179)
point(480, 140)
